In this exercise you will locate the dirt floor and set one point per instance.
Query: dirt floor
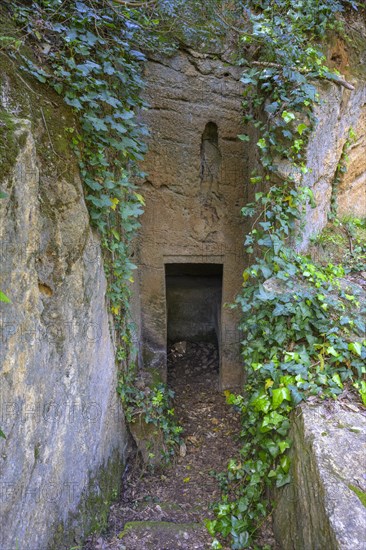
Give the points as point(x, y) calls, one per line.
point(165, 509)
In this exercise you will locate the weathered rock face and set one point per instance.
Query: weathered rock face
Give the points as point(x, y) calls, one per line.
point(65, 439)
point(325, 504)
point(352, 189)
point(194, 192)
point(340, 110)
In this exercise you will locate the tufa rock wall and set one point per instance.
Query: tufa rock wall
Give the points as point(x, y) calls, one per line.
point(65, 442)
point(340, 110)
point(324, 506)
point(194, 191)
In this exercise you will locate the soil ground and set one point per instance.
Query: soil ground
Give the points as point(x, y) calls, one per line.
point(165, 509)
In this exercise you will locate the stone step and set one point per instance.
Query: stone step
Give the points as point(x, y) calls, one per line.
point(166, 511)
point(163, 535)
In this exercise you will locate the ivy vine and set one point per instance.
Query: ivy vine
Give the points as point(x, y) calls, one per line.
point(90, 53)
point(92, 63)
point(302, 336)
point(302, 324)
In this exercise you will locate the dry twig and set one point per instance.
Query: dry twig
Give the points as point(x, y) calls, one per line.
point(335, 80)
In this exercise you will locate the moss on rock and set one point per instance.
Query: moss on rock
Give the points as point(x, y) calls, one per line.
point(93, 509)
point(335, 243)
point(9, 144)
point(361, 494)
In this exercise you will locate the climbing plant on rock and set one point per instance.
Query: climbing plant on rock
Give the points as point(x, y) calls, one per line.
point(302, 324)
point(89, 56)
point(90, 53)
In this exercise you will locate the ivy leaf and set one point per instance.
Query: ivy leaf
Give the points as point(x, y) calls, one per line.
point(108, 68)
point(287, 134)
point(88, 67)
point(265, 241)
point(279, 395)
point(93, 184)
point(265, 296)
point(301, 128)
point(261, 402)
point(109, 99)
point(138, 55)
point(248, 211)
point(125, 115)
point(118, 127)
point(58, 87)
point(272, 107)
point(73, 102)
point(96, 122)
point(361, 387)
point(296, 394)
point(4, 298)
point(332, 351)
point(283, 445)
point(246, 79)
point(272, 419)
point(287, 116)
point(70, 35)
point(90, 38)
point(277, 244)
point(356, 348)
point(267, 271)
point(283, 480)
point(337, 380)
point(140, 198)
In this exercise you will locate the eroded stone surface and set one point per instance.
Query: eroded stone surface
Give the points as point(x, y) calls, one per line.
point(339, 110)
point(194, 191)
point(59, 407)
point(319, 509)
point(352, 189)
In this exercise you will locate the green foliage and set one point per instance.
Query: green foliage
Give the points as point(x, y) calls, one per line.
point(355, 257)
point(361, 494)
point(302, 327)
point(154, 404)
point(9, 43)
point(360, 386)
point(344, 240)
point(4, 298)
point(94, 62)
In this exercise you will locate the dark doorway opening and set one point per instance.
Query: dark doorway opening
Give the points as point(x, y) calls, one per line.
point(193, 301)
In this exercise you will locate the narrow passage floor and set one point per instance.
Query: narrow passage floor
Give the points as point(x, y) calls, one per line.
point(165, 510)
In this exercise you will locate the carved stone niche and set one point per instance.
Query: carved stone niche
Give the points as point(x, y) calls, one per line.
point(210, 159)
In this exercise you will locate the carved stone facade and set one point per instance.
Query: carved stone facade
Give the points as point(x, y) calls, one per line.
point(194, 192)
